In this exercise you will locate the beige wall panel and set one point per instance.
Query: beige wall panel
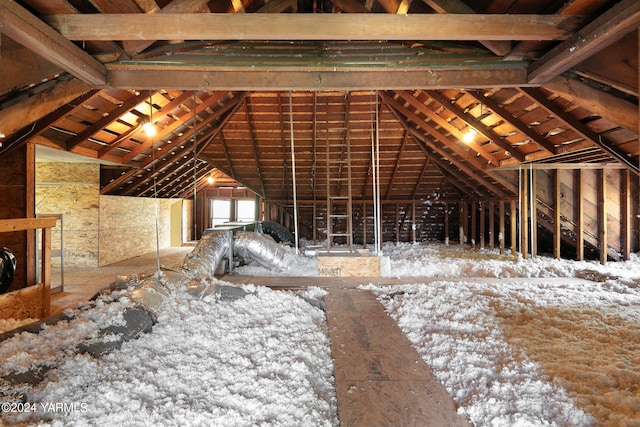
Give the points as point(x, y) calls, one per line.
point(128, 226)
point(73, 190)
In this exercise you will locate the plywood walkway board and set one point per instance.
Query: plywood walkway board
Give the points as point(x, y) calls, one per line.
point(380, 378)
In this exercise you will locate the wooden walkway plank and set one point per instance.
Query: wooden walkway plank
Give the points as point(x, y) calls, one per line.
point(380, 378)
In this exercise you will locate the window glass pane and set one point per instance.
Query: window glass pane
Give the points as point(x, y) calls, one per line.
point(221, 211)
point(246, 210)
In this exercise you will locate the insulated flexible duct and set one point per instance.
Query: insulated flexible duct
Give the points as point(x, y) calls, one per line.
point(207, 256)
point(257, 247)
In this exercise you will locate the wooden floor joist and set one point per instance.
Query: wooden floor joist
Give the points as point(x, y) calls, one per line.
point(380, 378)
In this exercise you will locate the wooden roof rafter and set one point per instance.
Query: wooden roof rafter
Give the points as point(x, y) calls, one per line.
point(416, 186)
point(424, 142)
point(521, 127)
point(603, 31)
point(447, 177)
point(432, 116)
point(174, 103)
point(256, 152)
point(180, 153)
point(177, 123)
point(23, 27)
point(188, 154)
point(583, 130)
point(396, 165)
point(570, 7)
point(479, 127)
point(500, 48)
point(26, 134)
point(464, 154)
point(111, 116)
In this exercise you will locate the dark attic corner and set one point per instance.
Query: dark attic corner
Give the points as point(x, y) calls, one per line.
point(341, 212)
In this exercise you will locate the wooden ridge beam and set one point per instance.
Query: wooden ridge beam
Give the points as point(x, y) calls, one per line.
point(19, 24)
point(603, 31)
point(275, 26)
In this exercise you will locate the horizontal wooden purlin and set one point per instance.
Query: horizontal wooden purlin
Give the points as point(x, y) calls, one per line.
point(274, 26)
point(480, 75)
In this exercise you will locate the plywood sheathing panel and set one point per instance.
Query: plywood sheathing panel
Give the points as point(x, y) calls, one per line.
point(128, 226)
point(73, 190)
point(348, 266)
point(380, 378)
point(25, 303)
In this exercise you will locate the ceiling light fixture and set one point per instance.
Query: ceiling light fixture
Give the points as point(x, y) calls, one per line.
point(469, 136)
point(210, 179)
point(149, 128)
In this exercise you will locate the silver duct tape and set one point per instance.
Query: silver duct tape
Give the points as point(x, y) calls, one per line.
point(259, 248)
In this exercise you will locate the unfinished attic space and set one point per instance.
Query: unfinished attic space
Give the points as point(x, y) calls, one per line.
point(319, 213)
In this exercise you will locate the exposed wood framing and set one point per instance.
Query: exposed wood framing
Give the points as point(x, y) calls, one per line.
point(401, 110)
point(604, 104)
point(512, 208)
point(626, 214)
point(175, 7)
point(526, 130)
point(557, 202)
point(524, 214)
point(299, 74)
point(396, 165)
point(492, 222)
point(105, 120)
point(603, 31)
point(579, 185)
point(252, 138)
point(478, 126)
point(580, 128)
point(439, 121)
point(19, 24)
point(37, 107)
point(534, 212)
point(500, 48)
point(211, 26)
point(603, 212)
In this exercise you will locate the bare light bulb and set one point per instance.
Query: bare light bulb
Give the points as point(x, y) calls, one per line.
point(149, 129)
point(468, 137)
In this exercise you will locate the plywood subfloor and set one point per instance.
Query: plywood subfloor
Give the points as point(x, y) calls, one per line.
point(81, 284)
point(380, 378)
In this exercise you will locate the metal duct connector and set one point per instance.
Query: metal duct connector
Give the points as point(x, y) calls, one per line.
point(257, 247)
point(207, 256)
